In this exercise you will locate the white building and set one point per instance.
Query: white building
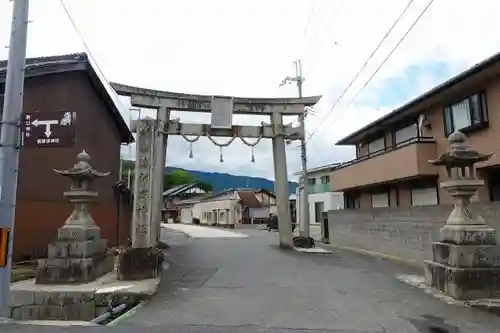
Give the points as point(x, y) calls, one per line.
point(188, 194)
point(234, 206)
point(321, 197)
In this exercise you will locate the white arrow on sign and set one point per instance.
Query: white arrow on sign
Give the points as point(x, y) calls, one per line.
point(47, 124)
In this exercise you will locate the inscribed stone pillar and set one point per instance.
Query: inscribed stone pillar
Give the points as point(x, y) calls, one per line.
point(159, 159)
point(144, 259)
point(281, 181)
point(142, 232)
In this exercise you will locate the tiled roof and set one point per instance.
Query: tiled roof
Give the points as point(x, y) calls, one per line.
point(70, 63)
point(249, 199)
point(40, 61)
point(177, 190)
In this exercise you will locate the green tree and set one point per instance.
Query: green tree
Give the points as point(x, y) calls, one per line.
point(183, 177)
point(175, 178)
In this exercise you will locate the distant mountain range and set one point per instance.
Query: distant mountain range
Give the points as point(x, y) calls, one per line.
point(223, 181)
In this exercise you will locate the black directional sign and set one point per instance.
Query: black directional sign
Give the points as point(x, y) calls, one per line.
point(48, 129)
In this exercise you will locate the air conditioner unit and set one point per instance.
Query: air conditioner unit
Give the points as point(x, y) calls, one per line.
point(423, 124)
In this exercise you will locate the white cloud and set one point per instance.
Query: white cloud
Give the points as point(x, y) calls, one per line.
point(245, 48)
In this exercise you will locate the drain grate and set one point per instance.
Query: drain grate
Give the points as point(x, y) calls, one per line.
point(433, 324)
point(435, 329)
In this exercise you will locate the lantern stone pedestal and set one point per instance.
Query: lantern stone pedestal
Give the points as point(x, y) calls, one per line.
point(79, 255)
point(466, 261)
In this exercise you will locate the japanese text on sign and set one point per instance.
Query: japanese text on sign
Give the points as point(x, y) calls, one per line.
point(45, 129)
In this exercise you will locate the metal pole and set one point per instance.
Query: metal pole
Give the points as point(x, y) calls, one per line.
point(10, 136)
point(304, 197)
point(303, 154)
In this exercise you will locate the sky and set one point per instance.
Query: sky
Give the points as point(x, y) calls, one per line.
point(247, 47)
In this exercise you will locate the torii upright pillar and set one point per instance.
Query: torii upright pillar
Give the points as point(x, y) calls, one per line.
point(281, 181)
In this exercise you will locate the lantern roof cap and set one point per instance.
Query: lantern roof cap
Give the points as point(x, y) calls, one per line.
point(82, 168)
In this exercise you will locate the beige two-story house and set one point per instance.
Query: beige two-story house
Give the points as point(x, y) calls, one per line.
point(391, 167)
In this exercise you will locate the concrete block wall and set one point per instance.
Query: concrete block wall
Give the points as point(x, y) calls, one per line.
point(82, 305)
point(405, 232)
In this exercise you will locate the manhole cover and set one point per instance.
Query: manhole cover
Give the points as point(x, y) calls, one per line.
point(196, 277)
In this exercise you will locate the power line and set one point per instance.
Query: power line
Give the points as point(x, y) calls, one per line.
point(392, 51)
point(385, 60)
point(395, 47)
point(311, 68)
point(87, 48)
point(311, 11)
point(360, 70)
point(117, 98)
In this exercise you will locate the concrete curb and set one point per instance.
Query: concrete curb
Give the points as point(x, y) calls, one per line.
point(166, 266)
point(185, 234)
point(126, 315)
point(241, 235)
point(410, 262)
point(314, 250)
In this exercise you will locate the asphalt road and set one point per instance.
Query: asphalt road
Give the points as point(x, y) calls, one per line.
point(250, 285)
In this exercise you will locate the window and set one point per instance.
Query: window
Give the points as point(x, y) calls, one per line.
point(361, 150)
point(377, 146)
point(424, 196)
point(325, 179)
point(404, 135)
point(1, 99)
point(494, 186)
point(351, 201)
point(380, 200)
point(466, 114)
point(312, 181)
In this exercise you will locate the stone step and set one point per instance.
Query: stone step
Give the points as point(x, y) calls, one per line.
point(60, 271)
point(463, 283)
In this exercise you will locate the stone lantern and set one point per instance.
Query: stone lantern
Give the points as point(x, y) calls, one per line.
point(466, 260)
point(79, 254)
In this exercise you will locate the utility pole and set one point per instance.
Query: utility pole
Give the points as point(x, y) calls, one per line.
point(304, 198)
point(10, 143)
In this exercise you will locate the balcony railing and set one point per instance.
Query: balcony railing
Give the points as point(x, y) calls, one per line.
point(407, 159)
point(319, 188)
point(385, 150)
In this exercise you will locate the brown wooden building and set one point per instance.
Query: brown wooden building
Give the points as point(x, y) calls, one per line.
point(65, 85)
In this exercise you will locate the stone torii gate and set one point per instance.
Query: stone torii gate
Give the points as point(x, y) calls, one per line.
point(152, 136)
